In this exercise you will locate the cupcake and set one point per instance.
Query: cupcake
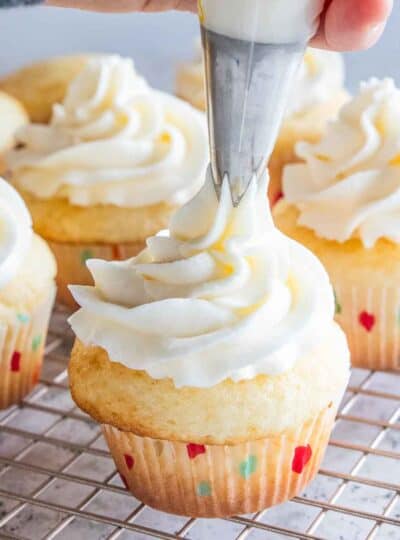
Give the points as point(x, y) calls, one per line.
point(343, 203)
point(190, 84)
point(27, 290)
point(40, 85)
point(12, 117)
point(318, 95)
point(108, 170)
point(212, 360)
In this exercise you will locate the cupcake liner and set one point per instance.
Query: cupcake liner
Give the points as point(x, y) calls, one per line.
point(71, 262)
point(281, 156)
point(217, 480)
point(370, 317)
point(21, 352)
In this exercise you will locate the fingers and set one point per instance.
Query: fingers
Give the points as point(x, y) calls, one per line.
point(348, 25)
point(115, 6)
point(345, 24)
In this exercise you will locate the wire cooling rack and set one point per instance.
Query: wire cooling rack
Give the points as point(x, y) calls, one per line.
point(57, 479)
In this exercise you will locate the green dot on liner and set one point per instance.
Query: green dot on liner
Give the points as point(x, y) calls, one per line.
point(85, 255)
point(248, 467)
point(204, 489)
point(36, 342)
point(338, 307)
point(23, 318)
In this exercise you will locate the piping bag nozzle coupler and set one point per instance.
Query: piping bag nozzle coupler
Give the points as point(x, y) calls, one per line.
point(248, 85)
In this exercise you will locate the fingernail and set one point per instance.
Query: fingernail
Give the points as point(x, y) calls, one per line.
point(373, 33)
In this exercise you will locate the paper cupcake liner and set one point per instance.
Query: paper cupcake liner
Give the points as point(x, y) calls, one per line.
point(370, 317)
point(21, 352)
point(280, 158)
point(211, 480)
point(71, 262)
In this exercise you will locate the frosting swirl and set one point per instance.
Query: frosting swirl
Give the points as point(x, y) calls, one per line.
point(320, 77)
point(225, 295)
point(114, 140)
point(349, 184)
point(15, 232)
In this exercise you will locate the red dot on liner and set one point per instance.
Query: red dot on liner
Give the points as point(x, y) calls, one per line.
point(367, 320)
point(302, 456)
point(16, 361)
point(130, 462)
point(195, 450)
point(277, 198)
point(36, 374)
point(116, 253)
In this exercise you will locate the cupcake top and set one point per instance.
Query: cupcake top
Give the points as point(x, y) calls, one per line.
point(13, 116)
point(16, 233)
point(224, 295)
point(320, 77)
point(349, 183)
point(196, 93)
point(113, 140)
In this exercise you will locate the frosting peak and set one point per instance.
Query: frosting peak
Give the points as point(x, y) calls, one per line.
point(114, 140)
point(349, 183)
point(321, 76)
point(15, 232)
point(225, 295)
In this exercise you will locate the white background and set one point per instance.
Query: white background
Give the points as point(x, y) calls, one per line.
point(156, 42)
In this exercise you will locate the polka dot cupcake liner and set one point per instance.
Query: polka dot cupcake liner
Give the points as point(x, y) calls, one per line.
point(214, 481)
point(370, 317)
point(21, 352)
point(71, 262)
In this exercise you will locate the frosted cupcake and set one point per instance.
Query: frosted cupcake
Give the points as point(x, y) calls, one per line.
point(40, 85)
point(317, 97)
point(12, 117)
point(109, 169)
point(343, 203)
point(27, 290)
point(190, 78)
point(212, 360)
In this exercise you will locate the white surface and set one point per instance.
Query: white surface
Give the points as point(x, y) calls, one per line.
point(156, 42)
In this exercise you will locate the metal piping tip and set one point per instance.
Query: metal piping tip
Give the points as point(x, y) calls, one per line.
point(248, 85)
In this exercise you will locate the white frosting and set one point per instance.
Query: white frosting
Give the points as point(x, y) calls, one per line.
point(15, 232)
point(321, 76)
point(114, 140)
point(224, 296)
point(264, 21)
point(349, 185)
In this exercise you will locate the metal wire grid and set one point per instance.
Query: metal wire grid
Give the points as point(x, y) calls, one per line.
point(57, 479)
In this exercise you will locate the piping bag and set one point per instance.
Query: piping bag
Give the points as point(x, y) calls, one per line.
point(252, 50)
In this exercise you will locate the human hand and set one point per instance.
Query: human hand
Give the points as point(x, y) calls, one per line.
point(348, 25)
point(345, 24)
point(121, 6)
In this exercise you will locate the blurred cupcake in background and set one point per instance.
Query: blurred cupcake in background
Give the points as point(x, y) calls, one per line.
point(190, 80)
point(212, 360)
point(343, 203)
point(108, 170)
point(12, 117)
point(40, 85)
point(318, 95)
point(27, 292)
